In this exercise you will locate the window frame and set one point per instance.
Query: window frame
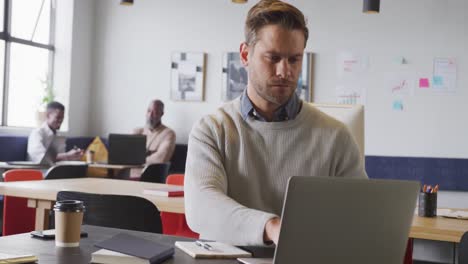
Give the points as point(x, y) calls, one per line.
point(6, 36)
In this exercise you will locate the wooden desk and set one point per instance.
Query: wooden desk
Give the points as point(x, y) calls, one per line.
point(42, 194)
point(439, 228)
point(6, 166)
point(47, 253)
point(112, 169)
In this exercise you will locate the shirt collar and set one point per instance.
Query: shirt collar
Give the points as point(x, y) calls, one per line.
point(49, 130)
point(285, 112)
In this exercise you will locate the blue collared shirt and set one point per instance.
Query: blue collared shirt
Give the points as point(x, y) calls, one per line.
point(288, 111)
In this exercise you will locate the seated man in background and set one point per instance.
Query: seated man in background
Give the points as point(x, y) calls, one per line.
point(160, 140)
point(45, 136)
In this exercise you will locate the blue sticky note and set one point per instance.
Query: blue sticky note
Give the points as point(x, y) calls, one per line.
point(438, 80)
point(398, 105)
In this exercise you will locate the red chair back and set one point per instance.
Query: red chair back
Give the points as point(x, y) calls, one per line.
point(175, 224)
point(17, 216)
point(175, 179)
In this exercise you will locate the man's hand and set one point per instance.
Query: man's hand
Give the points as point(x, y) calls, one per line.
point(74, 154)
point(272, 230)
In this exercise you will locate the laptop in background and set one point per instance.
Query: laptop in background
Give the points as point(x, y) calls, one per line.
point(127, 149)
point(340, 220)
point(49, 158)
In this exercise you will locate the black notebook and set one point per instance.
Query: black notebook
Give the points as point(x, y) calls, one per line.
point(154, 252)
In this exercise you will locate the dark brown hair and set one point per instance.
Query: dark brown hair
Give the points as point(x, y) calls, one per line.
point(273, 12)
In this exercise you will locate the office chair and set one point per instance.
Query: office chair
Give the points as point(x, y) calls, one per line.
point(463, 249)
point(66, 172)
point(173, 223)
point(117, 211)
point(17, 216)
point(155, 173)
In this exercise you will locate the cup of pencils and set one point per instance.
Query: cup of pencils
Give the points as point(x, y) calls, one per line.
point(427, 202)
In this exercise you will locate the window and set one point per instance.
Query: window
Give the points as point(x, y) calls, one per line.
point(26, 59)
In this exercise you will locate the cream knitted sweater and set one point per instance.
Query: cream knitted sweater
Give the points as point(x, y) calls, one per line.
point(237, 170)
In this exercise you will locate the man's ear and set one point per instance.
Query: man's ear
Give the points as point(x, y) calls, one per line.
point(244, 54)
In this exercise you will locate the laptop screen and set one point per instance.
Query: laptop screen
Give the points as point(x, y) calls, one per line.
point(127, 149)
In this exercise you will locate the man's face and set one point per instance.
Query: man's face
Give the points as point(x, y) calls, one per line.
point(153, 115)
point(274, 63)
point(55, 118)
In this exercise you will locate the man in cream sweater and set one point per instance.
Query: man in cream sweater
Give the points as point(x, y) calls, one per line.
point(240, 158)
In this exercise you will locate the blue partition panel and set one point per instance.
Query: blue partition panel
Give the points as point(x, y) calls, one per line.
point(450, 174)
point(13, 148)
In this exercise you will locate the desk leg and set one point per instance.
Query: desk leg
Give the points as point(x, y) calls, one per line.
point(42, 212)
point(110, 173)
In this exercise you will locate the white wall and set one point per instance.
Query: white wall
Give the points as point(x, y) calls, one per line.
point(132, 59)
point(81, 68)
point(133, 47)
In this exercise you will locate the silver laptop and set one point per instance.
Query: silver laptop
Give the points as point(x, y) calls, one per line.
point(49, 158)
point(339, 220)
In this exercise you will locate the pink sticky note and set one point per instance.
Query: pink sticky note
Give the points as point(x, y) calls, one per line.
point(423, 83)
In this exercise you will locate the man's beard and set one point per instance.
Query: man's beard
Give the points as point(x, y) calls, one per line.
point(153, 123)
point(266, 92)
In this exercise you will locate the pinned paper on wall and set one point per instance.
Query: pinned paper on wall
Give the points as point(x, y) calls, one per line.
point(351, 72)
point(346, 94)
point(424, 83)
point(400, 60)
point(397, 105)
point(445, 75)
point(398, 83)
point(438, 81)
point(351, 64)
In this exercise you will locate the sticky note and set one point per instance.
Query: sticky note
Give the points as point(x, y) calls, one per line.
point(398, 105)
point(400, 60)
point(423, 83)
point(438, 80)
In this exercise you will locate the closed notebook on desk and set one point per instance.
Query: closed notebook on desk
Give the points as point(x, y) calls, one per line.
point(16, 258)
point(153, 251)
point(104, 256)
point(219, 250)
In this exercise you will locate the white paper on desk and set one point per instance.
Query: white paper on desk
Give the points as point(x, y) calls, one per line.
point(220, 250)
point(452, 213)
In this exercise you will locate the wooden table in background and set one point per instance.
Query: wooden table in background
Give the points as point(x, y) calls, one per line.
point(112, 169)
point(42, 194)
point(439, 228)
point(6, 166)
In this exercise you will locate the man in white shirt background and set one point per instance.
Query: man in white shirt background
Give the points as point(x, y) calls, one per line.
point(45, 136)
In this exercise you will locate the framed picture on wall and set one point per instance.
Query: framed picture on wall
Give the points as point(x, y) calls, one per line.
point(187, 76)
point(234, 76)
point(304, 84)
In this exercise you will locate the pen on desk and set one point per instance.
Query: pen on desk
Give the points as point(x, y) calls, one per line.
point(203, 245)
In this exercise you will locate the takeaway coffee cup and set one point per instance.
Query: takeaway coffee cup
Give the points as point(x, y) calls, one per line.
point(68, 219)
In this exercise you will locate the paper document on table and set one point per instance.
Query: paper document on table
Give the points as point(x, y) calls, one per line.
point(217, 250)
point(452, 213)
point(16, 258)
